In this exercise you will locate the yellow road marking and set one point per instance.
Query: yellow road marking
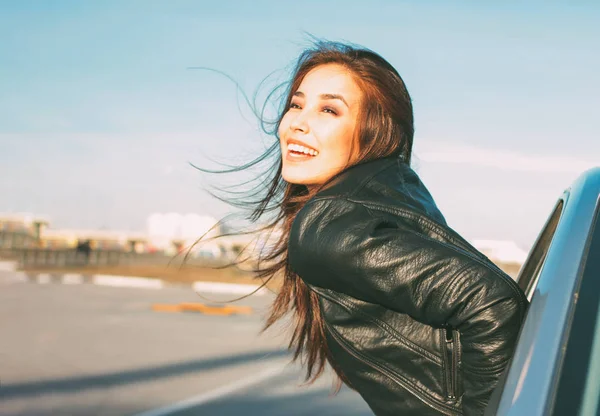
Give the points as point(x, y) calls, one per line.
point(158, 307)
point(202, 308)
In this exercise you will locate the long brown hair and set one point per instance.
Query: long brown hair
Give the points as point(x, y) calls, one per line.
point(385, 128)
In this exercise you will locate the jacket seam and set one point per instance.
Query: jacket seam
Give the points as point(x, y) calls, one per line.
point(385, 327)
point(419, 389)
point(378, 207)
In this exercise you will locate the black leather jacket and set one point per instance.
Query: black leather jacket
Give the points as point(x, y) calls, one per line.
point(418, 320)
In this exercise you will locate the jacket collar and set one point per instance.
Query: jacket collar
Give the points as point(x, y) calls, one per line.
point(388, 180)
point(362, 171)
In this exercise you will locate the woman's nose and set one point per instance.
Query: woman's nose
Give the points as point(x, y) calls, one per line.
point(299, 123)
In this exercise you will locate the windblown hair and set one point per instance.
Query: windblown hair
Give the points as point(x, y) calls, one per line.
point(384, 128)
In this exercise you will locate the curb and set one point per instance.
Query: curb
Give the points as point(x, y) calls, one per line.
point(127, 282)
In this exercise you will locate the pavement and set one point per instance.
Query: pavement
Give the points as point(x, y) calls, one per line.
point(87, 349)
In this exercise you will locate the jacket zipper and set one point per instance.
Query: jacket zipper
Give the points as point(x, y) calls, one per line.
point(451, 364)
point(391, 375)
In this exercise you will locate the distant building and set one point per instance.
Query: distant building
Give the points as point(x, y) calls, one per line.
point(99, 239)
point(31, 231)
point(168, 233)
point(21, 230)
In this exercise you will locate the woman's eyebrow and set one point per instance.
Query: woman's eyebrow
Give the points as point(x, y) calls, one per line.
point(334, 97)
point(325, 97)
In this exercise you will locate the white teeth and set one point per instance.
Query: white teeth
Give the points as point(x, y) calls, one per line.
point(302, 149)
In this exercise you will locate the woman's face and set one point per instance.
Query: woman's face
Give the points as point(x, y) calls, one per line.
point(317, 131)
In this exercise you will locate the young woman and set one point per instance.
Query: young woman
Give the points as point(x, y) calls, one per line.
point(405, 311)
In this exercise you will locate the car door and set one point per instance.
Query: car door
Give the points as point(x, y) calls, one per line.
point(555, 369)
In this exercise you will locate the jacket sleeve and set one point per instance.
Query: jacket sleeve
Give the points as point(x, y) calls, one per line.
point(340, 245)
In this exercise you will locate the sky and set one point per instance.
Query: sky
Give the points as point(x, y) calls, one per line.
point(101, 115)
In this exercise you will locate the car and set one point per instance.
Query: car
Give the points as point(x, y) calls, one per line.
point(555, 368)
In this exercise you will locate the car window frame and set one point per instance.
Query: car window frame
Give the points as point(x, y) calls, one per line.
point(529, 274)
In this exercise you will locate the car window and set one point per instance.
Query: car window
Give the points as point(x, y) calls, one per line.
point(578, 384)
point(530, 272)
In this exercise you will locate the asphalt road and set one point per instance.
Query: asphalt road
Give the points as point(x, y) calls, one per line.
point(91, 350)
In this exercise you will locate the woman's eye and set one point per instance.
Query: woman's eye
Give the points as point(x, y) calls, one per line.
point(294, 105)
point(329, 110)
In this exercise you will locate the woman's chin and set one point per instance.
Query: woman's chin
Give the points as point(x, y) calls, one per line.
point(296, 181)
point(300, 179)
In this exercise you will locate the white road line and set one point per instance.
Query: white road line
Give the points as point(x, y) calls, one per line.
point(72, 279)
point(215, 394)
point(13, 277)
point(8, 266)
point(237, 289)
point(125, 281)
point(44, 278)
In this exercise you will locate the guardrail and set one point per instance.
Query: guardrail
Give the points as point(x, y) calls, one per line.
point(39, 257)
point(30, 258)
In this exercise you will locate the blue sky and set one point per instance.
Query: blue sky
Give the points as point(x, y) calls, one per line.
point(99, 115)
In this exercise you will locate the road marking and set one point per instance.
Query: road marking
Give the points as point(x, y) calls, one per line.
point(231, 288)
point(202, 308)
point(72, 279)
point(125, 281)
point(159, 307)
point(215, 394)
point(44, 278)
point(13, 277)
point(8, 266)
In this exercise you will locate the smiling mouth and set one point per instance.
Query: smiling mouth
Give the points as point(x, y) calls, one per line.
point(299, 150)
point(300, 154)
point(294, 156)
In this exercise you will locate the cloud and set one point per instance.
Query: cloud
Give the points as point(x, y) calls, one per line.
point(458, 153)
